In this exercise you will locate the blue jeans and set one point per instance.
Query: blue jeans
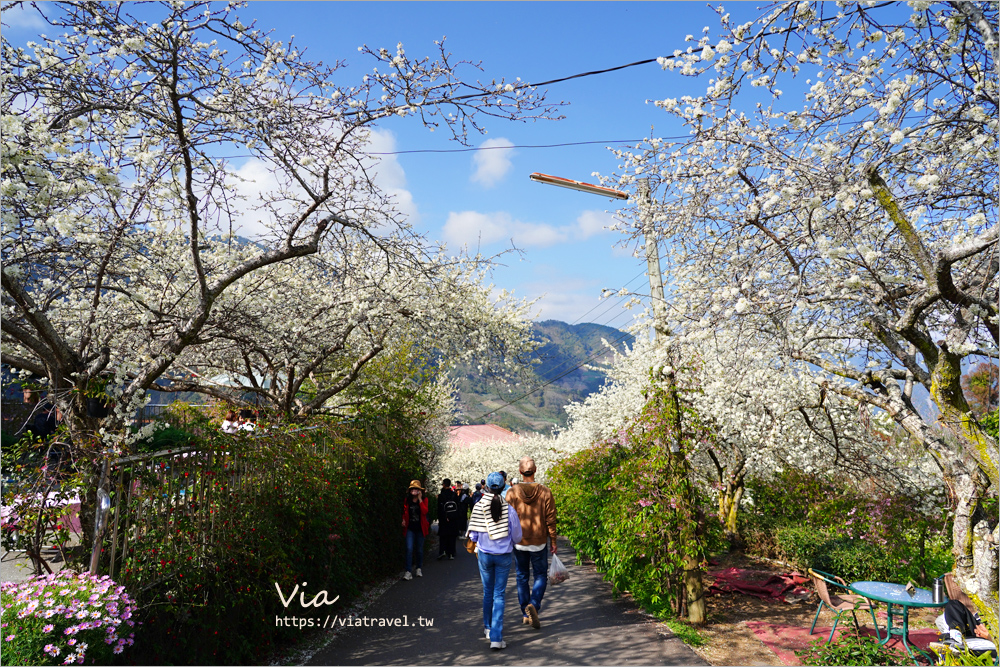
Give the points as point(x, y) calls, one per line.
point(414, 549)
point(526, 562)
point(494, 570)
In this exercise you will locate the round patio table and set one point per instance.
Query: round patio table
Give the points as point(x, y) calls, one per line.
point(895, 594)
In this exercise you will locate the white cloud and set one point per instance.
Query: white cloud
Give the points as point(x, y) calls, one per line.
point(493, 164)
point(23, 16)
point(591, 223)
point(258, 181)
point(572, 300)
point(475, 229)
point(255, 181)
point(472, 228)
point(389, 174)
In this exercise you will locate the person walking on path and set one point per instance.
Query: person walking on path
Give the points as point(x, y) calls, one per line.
point(464, 507)
point(536, 507)
point(416, 527)
point(448, 512)
point(495, 528)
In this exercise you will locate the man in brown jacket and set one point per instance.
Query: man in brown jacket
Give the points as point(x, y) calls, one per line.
point(537, 510)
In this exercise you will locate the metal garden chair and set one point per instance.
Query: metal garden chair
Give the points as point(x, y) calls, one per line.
point(839, 603)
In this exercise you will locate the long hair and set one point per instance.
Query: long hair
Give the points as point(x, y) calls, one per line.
point(495, 506)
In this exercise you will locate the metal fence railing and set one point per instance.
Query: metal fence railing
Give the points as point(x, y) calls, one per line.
point(186, 490)
point(15, 414)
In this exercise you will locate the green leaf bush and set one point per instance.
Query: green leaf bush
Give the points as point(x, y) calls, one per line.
point(319, 508)
point(629, 504)
point(827, 524)
point(851, 649)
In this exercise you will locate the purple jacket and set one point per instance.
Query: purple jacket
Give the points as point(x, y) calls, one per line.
point(504, 545)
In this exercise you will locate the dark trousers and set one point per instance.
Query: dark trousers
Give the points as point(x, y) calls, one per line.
point(447, 533)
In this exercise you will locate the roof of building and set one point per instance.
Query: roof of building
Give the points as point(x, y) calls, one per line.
point(463, 436)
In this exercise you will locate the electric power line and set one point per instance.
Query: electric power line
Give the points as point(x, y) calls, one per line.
point(558, 377)
point(639, 275)
point(470, 149)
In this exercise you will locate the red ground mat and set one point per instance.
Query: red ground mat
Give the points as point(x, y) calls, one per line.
point(784, 640)
point(758, 583)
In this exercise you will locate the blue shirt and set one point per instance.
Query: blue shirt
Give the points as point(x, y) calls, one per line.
point(505, 544)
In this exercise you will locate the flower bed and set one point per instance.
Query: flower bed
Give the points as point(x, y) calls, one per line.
point(65, 618)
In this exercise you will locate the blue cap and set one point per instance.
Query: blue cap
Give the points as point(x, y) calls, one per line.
point(495, 480)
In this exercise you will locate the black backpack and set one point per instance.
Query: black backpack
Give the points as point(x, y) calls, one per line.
point(957, 616)
point(451, 510)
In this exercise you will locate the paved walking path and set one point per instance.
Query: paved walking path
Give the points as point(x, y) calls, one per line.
point(581, 624)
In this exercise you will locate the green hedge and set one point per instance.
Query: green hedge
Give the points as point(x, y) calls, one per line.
point(326, 517)
point(613, 507)
point(809, 521)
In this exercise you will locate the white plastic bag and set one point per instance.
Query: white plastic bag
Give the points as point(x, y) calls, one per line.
point(557, 571)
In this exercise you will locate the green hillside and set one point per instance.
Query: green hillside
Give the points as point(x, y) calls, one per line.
point(564, 348)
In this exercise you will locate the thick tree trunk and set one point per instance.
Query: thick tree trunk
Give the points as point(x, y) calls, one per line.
point(694, 592)
point(974, 544)
point(729, 505)
point(694, 589)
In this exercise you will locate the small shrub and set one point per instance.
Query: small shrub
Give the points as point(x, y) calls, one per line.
point(834, 526)
point(801, 545)
point(63, 618)
point(169, 437)
point(966, 658)
point(851, 649)
point(857, 560)
point(628, 503)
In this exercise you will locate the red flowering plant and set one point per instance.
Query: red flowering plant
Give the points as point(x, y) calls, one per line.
point(65, 618)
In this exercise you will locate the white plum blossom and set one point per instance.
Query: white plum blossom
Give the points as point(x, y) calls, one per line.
point(874, 213)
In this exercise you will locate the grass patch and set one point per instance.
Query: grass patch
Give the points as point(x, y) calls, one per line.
point(685, 632)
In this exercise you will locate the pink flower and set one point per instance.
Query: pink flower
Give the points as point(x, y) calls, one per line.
point(51, 649)
point(48, 628)
point(10, 638)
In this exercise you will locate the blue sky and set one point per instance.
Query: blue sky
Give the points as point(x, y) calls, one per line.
point(485, 199)
point(464, 197)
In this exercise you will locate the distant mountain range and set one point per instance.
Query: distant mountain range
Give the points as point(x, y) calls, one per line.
point(565, 351)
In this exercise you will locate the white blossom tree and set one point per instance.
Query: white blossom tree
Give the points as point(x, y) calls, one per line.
point(118, 182)
point(479, 459)
point(765, 415)
point(305, 331)
point(854, 229)
point(121, 185)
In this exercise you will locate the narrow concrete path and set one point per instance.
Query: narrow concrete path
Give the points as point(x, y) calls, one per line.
point(581, 624)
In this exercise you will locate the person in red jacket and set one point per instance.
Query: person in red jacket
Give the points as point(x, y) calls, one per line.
point(416, 526)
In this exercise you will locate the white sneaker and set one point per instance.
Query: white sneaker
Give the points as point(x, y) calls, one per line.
point(487, 630)
point(419, 572)
point(407, 576)
point(498, 645)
